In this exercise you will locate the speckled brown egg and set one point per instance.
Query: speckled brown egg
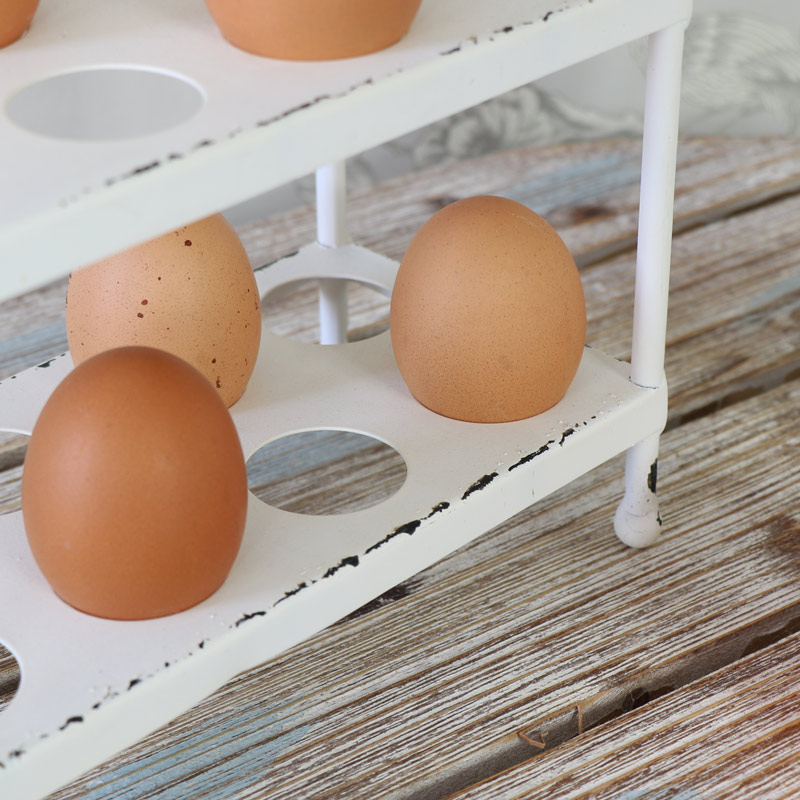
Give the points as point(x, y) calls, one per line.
point(134, 487)
point(191, 292)
point(488, 317)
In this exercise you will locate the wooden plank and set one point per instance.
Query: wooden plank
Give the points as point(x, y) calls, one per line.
point(589, 191)
point(733, 734)
point(548, 613)
point(293, 314)
point(12, 451)
point(10, 480)
point(757, 299)
point(325, 472)
point(735, 280)
point(9, 677)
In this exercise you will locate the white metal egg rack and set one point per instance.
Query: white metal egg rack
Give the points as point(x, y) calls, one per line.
point(261, 123)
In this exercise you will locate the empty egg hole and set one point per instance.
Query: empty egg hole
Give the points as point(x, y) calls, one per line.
point(323, 472)
point(105, 103)
point(9, 677)
point(12, 453)
point(292, 310)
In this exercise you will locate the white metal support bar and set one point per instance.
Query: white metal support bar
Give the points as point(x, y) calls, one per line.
point(637, 521)
point(331, 187)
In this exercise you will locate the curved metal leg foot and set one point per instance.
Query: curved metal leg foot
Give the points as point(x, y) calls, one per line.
point(637, 522)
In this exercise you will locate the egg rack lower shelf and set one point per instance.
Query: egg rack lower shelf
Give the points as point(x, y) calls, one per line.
point(91, 687)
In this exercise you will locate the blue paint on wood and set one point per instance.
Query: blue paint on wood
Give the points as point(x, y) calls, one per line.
point(307, 450)
point(30, 349)
point(220, 755)
point(574, 184)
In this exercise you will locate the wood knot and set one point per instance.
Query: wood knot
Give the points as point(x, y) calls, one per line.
point(783, 536)
point(589, 212)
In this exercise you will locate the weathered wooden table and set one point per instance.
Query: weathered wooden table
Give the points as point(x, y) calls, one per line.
point(545, 659)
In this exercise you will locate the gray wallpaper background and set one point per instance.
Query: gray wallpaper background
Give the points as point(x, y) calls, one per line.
point(741, 77)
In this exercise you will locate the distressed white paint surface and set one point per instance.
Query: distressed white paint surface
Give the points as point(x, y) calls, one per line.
point(263, 122)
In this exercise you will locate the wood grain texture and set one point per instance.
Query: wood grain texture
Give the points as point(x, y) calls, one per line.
point(325, 472)
point(10, 480)
point(293, 314)
point(733, 734)
point(545, 625)
point(9, 677)
point(587, 190)
point(735, 280)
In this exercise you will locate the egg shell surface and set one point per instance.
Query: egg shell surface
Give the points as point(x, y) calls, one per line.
point(313, 30)
point(191, 292)
point(134, 487)
point(15, 18)
point(488, 316)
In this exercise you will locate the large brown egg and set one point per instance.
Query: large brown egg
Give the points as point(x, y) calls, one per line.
point(134, 487)
point(191, 292)
point(488, 317)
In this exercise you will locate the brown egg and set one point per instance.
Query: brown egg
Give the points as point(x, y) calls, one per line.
point(313, 30)
point(134, 488)
point(15, 19)
point(191, 292)
point(488, 317)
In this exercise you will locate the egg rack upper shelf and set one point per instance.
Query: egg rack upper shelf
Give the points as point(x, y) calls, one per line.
point(259, 122)
point(262, 123)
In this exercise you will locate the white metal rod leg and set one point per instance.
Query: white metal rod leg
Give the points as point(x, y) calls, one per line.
point(332, 231)
point(637, 521)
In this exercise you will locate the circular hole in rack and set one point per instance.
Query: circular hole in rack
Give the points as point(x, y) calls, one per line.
point(292, 310)
point(12, 453)
point(323, 472)
point(9, 677)
point(105, 103)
